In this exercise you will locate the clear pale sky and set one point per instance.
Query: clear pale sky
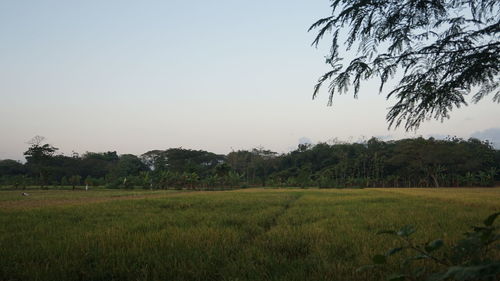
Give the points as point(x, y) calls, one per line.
point(217, 75)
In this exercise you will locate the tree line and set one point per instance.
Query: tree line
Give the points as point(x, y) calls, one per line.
point(417, 162)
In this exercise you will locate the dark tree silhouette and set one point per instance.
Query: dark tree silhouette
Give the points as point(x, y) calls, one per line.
point(443, 50)
point(38, 157)
point(415, 162)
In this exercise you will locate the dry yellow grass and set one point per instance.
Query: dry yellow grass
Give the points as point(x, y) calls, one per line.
point(252, 234)
point(485, 197)
point(13, 200)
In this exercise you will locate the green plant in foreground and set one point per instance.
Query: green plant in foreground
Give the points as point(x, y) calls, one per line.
point(473, 258)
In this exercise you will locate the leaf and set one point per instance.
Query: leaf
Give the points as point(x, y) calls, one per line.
point(406, 231)
point(419, 257)
point(434, 245)
point(393, 251)
point(479, 228)
point(491, 219)
point(379, 259)
point(407, 261)
point(484, 272)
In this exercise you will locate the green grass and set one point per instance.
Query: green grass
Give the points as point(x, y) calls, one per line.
point(45, 196)
point(255, 234)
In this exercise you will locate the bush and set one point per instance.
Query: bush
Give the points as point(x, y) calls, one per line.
point(473, 258)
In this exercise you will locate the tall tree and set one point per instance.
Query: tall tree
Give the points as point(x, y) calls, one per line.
point(38, 157)
point(441, 49)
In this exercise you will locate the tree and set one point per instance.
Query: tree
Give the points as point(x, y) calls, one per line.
point(444, 50)
point(263, 164)
point(155, 160)
point(128, 165)
point(10, 167)
point(12, 172)
point(38, 157)
point(37, 151)
point(240, 161)
point(75, 180)
point(98, 165)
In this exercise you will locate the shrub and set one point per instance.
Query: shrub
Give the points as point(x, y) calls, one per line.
point(473, 258)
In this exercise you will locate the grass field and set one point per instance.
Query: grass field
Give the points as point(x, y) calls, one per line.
point(251, 234)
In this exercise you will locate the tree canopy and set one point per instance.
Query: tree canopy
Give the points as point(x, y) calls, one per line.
point(440, 50)
point(373, 163)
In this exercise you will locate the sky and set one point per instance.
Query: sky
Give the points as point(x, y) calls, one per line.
point(222, 75)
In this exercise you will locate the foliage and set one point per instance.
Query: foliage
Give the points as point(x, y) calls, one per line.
point(127, 165)
point(75, 180)
point(182, 160)
point(11, 167)
point(469, 259)
point(414, 162)
point(38, 156)
point(408, 162)
point(442, 50)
